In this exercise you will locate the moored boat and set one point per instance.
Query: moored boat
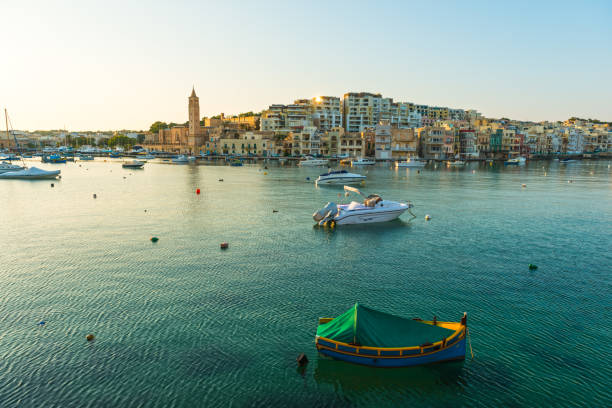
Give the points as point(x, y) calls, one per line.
point(312, 162)
point(4, 167)
point(340, 177)
point(373, 209)
point(133, 164)
point(410, 162)
point(181, 159)
point(363, 162)
point(456, 163)
point(54, 158)
point(515, 161)
point(369, 337)
point(33, 173)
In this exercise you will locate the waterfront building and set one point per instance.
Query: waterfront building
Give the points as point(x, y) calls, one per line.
point(468, 144)
point(325, 111)
point(364, 109)
point(436, 143)
point(403, 143)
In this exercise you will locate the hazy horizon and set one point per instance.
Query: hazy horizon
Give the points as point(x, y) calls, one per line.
point(112, 65)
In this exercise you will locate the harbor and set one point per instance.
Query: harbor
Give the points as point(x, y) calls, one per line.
point(180, 321)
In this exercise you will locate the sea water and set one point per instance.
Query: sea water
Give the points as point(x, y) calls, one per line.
point(181, 322)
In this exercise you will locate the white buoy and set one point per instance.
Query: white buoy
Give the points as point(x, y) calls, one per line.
point(427, 217)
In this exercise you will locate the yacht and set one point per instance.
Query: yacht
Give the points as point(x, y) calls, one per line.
point(4, 167)
point(372, 209)
point(133, 164)
point(182, 159)
point(311, 162)
point(411, 163)
point(340, 177)
point(363, 162)
point(33, 173)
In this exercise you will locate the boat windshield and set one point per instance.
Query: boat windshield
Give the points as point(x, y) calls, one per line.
point(334, 172)
point(372, 200)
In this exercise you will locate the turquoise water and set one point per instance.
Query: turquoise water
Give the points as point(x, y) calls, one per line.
point(182, 323)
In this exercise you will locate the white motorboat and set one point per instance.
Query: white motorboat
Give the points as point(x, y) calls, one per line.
point(191, 158)
point(340, 177)
point(363, 162)
point(4, 167)
point(312, 162)
point(456, 163)
point(148, 156)
point(133, 164)
point(411, 163)
point(182, 159)
point(33, 173)
point(372, 209)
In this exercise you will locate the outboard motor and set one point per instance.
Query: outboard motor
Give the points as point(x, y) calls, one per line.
point(330, 210)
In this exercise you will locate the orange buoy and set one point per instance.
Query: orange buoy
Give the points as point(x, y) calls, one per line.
point(89, 337)
point(224, 245)
point(198, 191)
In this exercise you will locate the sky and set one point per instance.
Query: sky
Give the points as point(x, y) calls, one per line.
point(104, 65)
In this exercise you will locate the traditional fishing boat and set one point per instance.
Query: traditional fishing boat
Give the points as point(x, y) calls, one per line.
point(366, 336)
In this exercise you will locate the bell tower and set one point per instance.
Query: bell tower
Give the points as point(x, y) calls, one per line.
point(195, 131)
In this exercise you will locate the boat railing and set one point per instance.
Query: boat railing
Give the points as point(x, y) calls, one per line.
point(422, 349)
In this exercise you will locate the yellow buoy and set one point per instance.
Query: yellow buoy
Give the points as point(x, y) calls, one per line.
point(265, 173)
point(427, 217)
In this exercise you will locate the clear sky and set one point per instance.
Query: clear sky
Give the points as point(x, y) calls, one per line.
point(124, 64)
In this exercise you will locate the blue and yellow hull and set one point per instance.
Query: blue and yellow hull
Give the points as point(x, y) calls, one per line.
point(450, 349)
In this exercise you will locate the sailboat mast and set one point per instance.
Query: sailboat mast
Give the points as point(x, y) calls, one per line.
point(8, 138)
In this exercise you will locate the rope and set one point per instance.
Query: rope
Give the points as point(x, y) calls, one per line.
point(469, 341)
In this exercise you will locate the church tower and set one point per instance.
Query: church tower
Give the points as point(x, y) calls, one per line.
point(195, 131)
point(194, 114)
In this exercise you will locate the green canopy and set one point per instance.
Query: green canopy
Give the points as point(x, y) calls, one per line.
point(368, 327)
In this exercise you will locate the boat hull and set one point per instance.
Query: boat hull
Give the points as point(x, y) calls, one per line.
point(451, 353)
point(410, 165)
point(366, 217)
point(342, 181)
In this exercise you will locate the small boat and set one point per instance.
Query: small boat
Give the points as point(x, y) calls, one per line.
point(133, 164)
point(10, 157)
point(340, 177)
point(372, 209)
point(191, 158)
point(181, 159)
point(115, 155)
point(363, 162)
point(516, 161)
point(345, 162)
point(4, 167)
point(312, 162)
point(236, 163)
point(456, 163)
point(33, 173)
point(411, 163)
point(567, 160)
point(86, 157)
point(369, 337)
point(148, 157)
point(54, 158)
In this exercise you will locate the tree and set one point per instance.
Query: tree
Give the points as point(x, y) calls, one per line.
point(120, 140)
point(140, 138)
point(158, 125)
